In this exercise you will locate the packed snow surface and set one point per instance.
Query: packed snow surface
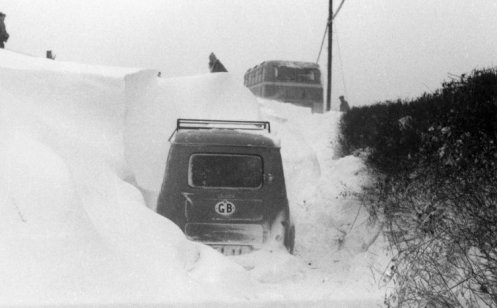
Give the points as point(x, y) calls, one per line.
point(82, 155)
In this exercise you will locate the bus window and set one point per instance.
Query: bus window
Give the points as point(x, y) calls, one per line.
point(306, 75)
point(286, 73)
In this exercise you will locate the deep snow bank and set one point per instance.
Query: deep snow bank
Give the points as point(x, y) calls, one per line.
point(75, 229)
point(71, 229)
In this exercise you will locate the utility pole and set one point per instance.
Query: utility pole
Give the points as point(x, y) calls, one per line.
point(330, 53)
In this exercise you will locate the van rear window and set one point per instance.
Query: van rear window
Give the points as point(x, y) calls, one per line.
point(225, 171)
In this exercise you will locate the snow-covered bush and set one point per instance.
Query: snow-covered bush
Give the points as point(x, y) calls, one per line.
point(436, 158)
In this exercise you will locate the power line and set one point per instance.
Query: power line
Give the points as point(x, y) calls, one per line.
point(338, 10)
point(322, 43)
point(326, 29)
point(341, 62)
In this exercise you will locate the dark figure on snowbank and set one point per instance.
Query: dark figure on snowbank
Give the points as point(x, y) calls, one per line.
point(215, 66)
point(344, 105)
point(4, 36)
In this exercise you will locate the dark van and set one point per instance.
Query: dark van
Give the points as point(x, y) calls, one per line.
point(224, 185)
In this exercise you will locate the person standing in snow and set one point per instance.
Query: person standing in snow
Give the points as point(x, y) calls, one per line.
point(4, 36)
point(215, 66)
point(344, 105)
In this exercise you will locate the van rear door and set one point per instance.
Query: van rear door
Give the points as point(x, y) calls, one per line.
point(225, 201)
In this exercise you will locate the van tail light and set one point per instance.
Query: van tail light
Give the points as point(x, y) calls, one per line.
point(277, 235)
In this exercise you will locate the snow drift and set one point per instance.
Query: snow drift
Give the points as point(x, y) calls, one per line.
point(82, 155)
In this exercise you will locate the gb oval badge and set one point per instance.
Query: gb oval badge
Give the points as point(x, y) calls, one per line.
point(225, 208)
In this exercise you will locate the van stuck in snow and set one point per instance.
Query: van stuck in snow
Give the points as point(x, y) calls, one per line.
point(224, 186)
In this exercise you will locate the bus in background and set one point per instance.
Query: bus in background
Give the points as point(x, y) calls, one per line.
point(298, 83)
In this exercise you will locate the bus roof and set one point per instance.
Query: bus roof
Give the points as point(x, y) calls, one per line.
point(292, 64)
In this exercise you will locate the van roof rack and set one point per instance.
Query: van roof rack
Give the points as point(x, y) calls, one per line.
point(221, 124)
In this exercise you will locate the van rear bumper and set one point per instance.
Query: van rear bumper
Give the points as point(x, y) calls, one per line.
point(233, 250)
point(222, 234)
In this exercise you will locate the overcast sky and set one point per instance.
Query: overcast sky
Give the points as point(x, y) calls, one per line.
point(383, 49)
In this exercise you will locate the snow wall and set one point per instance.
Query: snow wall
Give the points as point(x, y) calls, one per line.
point(72, 229)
